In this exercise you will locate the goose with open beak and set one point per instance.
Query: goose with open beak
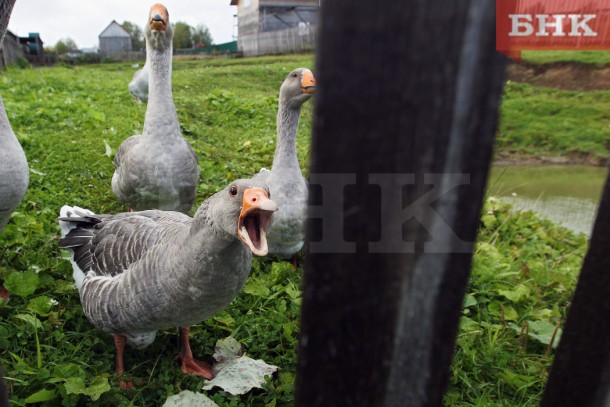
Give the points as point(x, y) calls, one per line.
point(138, 272)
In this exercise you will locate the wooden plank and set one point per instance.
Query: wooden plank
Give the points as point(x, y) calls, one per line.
point(6, 8)
point(580, 375)
point(406, 90)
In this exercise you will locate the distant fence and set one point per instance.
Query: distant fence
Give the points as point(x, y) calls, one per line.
point(296, 39)
point(227, 47)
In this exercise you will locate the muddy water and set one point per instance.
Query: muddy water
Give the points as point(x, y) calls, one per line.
point(568, 195)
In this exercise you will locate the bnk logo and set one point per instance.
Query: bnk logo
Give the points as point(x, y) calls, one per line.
point(552, 25)
point(557, 25)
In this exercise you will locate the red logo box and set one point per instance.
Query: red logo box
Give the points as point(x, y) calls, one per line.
point(552, 25)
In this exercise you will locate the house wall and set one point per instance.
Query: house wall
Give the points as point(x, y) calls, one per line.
point(296, 39)
point(280, 18)
point(276, 26)
point(290, 3)
point(247, 17)
point(114, 45)
point(12, 50)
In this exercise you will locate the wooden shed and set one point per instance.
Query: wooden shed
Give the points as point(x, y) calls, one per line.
point(275, 26)
point(114, 40)
point(12, 50)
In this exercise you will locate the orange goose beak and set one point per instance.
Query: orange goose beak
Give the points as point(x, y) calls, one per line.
point(308, 82)
point(158, 18)
point(254, 219)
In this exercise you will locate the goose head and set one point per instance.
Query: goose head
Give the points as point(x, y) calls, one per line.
point(298, 87)
point(158, 31)
point(244, 210)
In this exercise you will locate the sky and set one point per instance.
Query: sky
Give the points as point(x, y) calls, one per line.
point(84, 20)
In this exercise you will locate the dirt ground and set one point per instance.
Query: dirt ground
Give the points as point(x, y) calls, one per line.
point(562, 75)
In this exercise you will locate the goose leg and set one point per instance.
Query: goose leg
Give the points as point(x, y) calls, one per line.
point(190, 365)
point(4, 293)
point(119, 344)
point(295, 262)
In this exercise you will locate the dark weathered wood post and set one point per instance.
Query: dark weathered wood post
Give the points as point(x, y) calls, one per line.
point(580, 375)
point(6, 8)
point(405, 115)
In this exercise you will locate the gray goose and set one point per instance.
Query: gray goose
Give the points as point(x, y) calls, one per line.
point(286, 183)
point(138, 272)
point(14, 171)
point(158, 169)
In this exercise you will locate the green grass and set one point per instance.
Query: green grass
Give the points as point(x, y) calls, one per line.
point(597, 58)
point(523, 275)
point(541, 122)
point(62, 117)
point(523, 266)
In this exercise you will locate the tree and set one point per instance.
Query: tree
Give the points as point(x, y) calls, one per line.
point(137, 35)
point(183, 34)
point(65, 45)
point(201, 36)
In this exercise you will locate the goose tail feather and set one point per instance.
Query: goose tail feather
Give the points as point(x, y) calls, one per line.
point(75, 235)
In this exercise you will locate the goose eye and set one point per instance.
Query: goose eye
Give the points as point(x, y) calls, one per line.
point(233, 190)
point(294, 75)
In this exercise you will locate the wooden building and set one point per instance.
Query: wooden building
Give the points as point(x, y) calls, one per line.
point(275, 26)
point(15, 47)
point(12, 49)
point(114, 41)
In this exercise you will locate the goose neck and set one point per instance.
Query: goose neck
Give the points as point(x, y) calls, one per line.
point(161, 118)
point(287, 125)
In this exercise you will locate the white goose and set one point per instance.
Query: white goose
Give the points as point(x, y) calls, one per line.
point(138, 272)
point(159, 169)
point(286, 183)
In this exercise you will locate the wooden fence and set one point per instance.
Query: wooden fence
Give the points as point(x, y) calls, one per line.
point(295, 39)
point(408, 89)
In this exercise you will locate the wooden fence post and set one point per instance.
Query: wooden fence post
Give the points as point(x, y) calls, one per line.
point(580, 375)
point(405, 116)
point(6, 8)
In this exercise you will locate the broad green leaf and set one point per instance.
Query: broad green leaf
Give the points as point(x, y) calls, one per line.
point(108, 152)
point(63, 286)
point(470, 301)
point(543, 332)
point(41, 305)
point(68, 370)
point(488, 220)
point(517, 294)
point(256, 287)
point(31, 319)
point(22, 283)
point(40, 396)
point(76, 385)
point(225, 319)
point(544, 313)
point(510, 314)
point(293, 292)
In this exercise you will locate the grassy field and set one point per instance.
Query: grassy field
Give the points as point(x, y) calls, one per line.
point(543, 122)
point(597, 58)
point(524, 269)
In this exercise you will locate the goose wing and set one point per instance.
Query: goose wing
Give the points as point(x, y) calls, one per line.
point(109, 245)
point(124, 149)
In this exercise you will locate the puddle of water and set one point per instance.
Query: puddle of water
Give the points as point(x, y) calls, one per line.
point(567, 195)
